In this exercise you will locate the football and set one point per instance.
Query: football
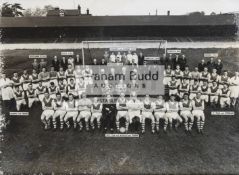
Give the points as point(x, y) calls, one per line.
point(122, 129)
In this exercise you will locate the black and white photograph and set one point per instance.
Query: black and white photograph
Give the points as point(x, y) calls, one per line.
point(119, 87)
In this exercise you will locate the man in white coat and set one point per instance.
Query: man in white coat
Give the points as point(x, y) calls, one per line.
point(6, 92)
point(234, 88)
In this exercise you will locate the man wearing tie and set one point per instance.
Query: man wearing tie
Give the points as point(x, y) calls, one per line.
point(109, 113)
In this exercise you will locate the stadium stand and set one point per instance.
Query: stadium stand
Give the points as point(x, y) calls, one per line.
point(87, 27)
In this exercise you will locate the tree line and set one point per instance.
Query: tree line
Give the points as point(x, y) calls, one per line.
point(16, 10)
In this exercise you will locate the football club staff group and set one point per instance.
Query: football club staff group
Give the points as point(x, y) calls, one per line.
point(65, 103)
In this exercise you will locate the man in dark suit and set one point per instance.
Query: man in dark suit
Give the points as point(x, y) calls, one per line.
point(219, 66)
point(169, 61)
point(176, 61)
point(106, 56)
point(64, 63)
point(94, 62)
point(55, 63)
point(109, 114)
point(78, 60)
point(103, 62)
point(183, 62)
point(141, 58)
point(202, 65)
point(210, 65)
point(163, 60)
point(42, 64)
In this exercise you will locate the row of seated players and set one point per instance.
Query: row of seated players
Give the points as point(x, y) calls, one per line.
point(44, 76)
point(210, 85)
point(87, 73)
point(212, 94)
point(85, 110)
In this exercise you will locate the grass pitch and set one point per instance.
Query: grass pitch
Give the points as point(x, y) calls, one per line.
point(26, 148)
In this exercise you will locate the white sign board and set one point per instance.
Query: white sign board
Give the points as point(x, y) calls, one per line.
point(209, 55)
point(151, 58)
point(217, 113)
point(115, 49)
point(19, 113)
point(114, 64)
point(121, 135)
point(173, 51)
point(68, 53)
point(37, 56)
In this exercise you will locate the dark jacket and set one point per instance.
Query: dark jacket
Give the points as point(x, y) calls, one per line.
point(56, 65)
point(176, 62)
point(141, 59)
point(201, 66)
point(78, 62)
point(64, 64)
point(169, 62)
point(183, 63)
point(219, 68)
point(105, 63)
point(109, 108)
point(210, 66)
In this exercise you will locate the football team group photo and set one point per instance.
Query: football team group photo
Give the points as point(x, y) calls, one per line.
point(141, 87)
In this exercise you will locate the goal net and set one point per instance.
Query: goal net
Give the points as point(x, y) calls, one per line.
point(125, 66)
point(98, 50)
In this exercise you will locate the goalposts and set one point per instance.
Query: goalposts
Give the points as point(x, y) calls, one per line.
point(143, 80)
point(152, 49)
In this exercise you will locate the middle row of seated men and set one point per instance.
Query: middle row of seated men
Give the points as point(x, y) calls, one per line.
point(88, 75)
point(76, 81)
point(215, 93)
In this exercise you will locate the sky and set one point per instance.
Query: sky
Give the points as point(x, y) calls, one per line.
point(137, 7)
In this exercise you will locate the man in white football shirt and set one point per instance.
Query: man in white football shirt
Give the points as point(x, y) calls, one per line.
point(48, 111)
point(96, 110)
point(198, 111)
point(186, 114)
point(172, 107)
point(214, 93)
point(159, 110)
point(147, 112)
point(60, 111)
point(84, 106)
point(122, 111)
point(19, 97)
point(225, 93)
point(134, 108)
point(71, 107)
point(31, 95)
